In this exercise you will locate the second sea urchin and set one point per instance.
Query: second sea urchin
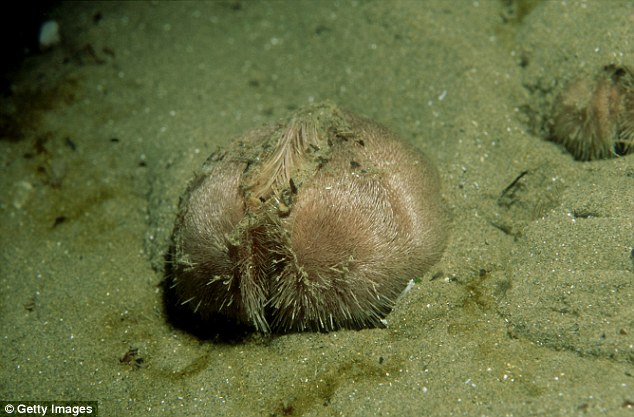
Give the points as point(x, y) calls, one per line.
point(593, 118)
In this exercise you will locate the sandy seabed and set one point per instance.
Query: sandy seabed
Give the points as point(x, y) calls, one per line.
point(530, 311)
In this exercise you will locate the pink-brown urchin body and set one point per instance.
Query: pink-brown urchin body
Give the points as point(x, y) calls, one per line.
point(625, 142)
point(315, 224)
point(593, 118)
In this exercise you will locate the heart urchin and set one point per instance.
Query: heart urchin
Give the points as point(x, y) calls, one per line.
point(593, 117)
point(318, 223)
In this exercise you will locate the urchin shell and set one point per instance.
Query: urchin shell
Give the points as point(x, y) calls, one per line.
point(318, 223)
point(593, 118)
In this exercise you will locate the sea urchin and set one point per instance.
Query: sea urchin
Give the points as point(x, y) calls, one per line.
point(594, 117)
point(317, 223)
